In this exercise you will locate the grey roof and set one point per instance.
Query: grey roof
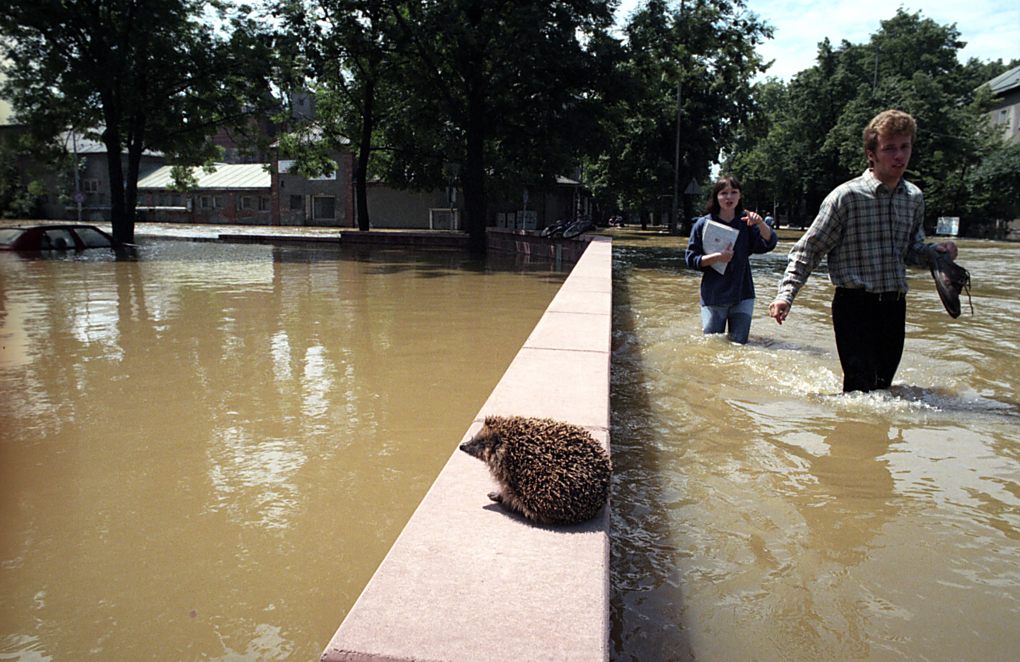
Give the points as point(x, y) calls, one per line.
point(77, 142)
point(311, 134)
point(226, 176)
point(1005, 82)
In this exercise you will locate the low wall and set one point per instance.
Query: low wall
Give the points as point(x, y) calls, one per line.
point(554, 249)
point(415, 238)
point(465, 581)
point(530, 243)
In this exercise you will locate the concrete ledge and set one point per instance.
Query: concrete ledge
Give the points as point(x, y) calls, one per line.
point(466, 582)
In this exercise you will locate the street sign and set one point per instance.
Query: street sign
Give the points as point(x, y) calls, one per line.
point(78, 197)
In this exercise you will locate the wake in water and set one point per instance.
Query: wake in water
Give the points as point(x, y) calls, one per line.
point(760, 513)
point(787, 368)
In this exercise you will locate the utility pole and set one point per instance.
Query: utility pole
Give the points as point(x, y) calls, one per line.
point(874, 84)
point(676, 161)
point(78, 197)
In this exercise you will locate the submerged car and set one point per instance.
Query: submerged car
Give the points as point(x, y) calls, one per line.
point(71, 237)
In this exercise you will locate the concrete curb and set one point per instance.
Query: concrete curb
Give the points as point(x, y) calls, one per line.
point(466, 582)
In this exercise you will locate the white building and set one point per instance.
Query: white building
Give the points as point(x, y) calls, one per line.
point(1006, 114)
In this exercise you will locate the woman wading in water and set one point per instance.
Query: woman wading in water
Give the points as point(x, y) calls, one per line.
point(727, 289)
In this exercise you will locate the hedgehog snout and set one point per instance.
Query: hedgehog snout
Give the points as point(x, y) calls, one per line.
point(473, 448)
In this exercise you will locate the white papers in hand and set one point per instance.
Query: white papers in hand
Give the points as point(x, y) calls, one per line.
point(716, 238)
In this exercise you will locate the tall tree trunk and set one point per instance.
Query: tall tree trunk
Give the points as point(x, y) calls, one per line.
point(367, 122)
point(135, 146)
point(122, 225)
point(473, 179)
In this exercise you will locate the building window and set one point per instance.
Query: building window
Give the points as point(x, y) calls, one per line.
point(324, 207)
point(1004, 116)
point(244, 202)
point(263, 203)
point(297, 203)
point(217, 202)
point(203, 202)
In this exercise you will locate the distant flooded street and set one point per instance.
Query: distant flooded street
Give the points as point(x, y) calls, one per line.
point(206, 453)
point(761, 515)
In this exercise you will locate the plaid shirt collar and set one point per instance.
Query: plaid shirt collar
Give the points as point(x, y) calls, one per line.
point(875, 185)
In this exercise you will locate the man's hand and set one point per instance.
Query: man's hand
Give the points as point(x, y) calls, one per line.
point(948, 247)
point(779, 309)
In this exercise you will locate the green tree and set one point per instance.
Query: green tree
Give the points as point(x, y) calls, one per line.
point(995, 185)
point(142, 74)
point(345, 49)
point(700, 58)
point(910, 63)
point(796, 158)
point(510, 90)
point(758, 158)
point(17, 199)
point(917, 70)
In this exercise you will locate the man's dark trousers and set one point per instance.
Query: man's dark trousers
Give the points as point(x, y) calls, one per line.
point(869, 336)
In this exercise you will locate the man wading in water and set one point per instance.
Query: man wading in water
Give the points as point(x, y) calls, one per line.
point(869, 228)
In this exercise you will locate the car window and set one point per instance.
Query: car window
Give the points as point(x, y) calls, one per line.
point(93, 238)
point(56, 240)
point(8, 235)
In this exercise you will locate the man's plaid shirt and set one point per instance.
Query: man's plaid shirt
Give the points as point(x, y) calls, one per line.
point(868, 234)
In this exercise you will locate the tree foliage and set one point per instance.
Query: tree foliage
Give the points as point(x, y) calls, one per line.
point(510, 90)
point(813, 141)
point(699, 57)
point(995, 185)
point(18, 199)
point(505, 93)
point(145, 74)
point(341, 50)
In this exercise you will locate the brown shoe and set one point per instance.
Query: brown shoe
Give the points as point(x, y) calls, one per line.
point(950, 280)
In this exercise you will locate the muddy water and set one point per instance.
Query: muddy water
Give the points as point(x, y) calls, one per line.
point(205, 453)
point(761, 515)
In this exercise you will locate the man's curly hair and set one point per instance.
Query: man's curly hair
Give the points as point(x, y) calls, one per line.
point(888, 123)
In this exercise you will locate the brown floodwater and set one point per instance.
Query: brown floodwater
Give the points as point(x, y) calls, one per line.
point(205, 452)
point(759, 514)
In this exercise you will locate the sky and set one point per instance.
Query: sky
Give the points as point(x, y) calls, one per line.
point(990, 28)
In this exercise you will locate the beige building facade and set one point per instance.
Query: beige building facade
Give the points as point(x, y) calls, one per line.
point(1006, 114)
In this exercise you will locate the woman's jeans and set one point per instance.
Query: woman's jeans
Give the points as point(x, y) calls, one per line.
point(715, 318)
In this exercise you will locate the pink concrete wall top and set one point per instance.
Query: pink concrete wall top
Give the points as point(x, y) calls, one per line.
point(467, 582)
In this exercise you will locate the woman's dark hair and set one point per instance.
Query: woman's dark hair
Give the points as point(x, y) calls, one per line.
point(720, 184)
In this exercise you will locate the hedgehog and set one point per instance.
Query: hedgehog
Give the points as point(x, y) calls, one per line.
point(549, 471)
